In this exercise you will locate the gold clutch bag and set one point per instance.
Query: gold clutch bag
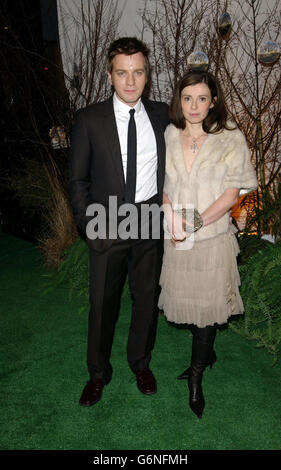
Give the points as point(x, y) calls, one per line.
point(193, 219)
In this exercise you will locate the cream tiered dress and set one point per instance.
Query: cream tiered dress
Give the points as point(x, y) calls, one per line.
point(200, 280)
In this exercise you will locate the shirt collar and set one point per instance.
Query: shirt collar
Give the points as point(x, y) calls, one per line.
point(123, 108)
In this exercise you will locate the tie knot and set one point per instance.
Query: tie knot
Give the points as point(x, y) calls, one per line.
point(132, 112)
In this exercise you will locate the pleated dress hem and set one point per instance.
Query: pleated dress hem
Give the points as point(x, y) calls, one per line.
point(200, 285)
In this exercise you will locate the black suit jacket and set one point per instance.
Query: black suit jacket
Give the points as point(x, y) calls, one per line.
point(96, 170)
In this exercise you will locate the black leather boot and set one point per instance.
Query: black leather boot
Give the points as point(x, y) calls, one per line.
point(212, 359)
point(196, 397)
point(202, 345)
point(202, 334)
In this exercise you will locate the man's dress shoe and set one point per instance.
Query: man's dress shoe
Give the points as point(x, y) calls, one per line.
point(146, 381)
point(92, 392)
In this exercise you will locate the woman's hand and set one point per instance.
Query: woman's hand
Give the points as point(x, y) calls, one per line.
point(177, 231)
point(174, 221)
point(175, 226)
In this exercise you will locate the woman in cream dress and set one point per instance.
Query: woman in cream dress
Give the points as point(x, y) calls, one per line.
point(207, 165)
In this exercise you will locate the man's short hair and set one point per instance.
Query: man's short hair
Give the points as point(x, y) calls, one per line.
point(127, 46)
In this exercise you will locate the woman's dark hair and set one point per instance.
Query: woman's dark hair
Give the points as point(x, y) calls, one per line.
point(217, 116)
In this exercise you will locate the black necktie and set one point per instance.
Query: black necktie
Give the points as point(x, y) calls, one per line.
point(131, 160)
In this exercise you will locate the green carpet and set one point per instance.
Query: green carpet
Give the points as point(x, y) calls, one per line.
point(43, 371)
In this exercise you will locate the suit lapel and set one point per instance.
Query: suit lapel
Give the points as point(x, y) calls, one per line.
point(158, 131)
point(110, 130)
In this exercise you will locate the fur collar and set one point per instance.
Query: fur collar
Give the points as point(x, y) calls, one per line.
point(215, 148)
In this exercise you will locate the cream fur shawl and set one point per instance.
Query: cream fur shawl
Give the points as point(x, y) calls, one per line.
point(222, 162)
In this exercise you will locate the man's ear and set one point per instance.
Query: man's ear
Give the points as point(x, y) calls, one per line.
point(109, 77)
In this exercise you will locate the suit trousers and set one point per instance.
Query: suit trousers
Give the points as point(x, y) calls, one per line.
point(140, 260)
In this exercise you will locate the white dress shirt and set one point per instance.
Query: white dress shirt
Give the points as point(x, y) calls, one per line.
point(146, 184)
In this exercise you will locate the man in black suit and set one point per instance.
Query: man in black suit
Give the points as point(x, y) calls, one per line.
point(120, 154)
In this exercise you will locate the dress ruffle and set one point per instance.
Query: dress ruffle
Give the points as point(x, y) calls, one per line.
point(201, 285)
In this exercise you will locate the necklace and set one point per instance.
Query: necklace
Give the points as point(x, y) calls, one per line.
point(194, 146)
